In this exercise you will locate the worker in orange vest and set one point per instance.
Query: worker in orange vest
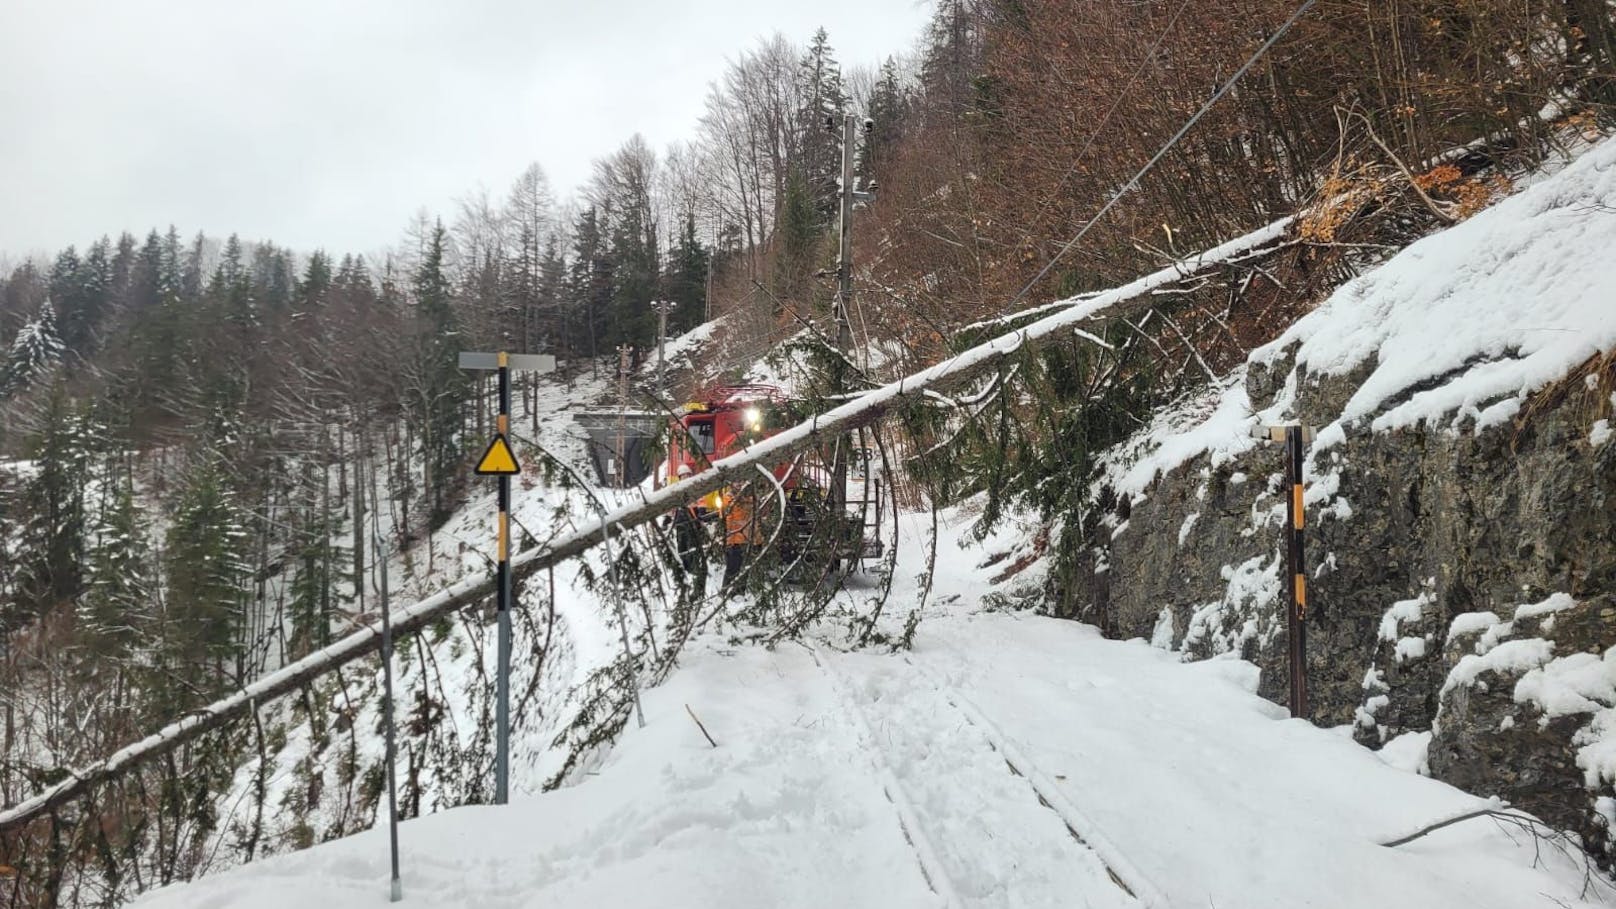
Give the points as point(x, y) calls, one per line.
point(740, 530)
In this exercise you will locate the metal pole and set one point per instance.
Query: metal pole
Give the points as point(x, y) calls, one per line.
point(661, 343)
point(396, 889)
point(1296, 572)
point(844, 298)
point(624, 351)
point(502, 707)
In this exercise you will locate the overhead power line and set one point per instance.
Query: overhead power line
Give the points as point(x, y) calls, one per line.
point(1150, 165)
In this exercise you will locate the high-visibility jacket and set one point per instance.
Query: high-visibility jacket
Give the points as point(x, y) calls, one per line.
point(740, 520)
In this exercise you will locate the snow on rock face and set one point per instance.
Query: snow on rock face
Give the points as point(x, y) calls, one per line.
point(1508, 294)
point(1519, 701)
point(1448, 464)
point(1510, 657)
point(1400, 612)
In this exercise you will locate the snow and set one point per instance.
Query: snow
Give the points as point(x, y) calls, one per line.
point(1558, 602)
point(1510, 657)
point(1188, 525)
point(1572, 684)
point(1218, 421)
point(1472, 622)
point(1400, 612)
point(1410, 649)
point(1408, 752)
point(1009, 760)
point(1600, 433)
point(1509, 293)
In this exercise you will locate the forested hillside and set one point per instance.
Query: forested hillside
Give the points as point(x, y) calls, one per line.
point(188, 422)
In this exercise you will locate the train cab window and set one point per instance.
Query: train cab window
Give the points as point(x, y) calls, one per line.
point(702, 435)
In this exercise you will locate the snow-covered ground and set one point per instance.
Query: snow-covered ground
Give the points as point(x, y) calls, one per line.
point(1008, 760)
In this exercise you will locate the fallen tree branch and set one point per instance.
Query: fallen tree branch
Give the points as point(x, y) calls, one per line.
point(1429, 829)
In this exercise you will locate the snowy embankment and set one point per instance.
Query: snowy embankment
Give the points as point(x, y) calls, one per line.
point(1009, 760)
point(1457, 331)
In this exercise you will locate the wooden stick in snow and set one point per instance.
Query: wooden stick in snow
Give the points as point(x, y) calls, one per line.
point(703, 729)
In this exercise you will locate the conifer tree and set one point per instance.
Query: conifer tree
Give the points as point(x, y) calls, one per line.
point(798, 237)
point(685, 282)
point(316, 283)
point(117, 598)
point(231, 287)
point(889, 108)
point(551, 294)
point(51, 512)
point(35, 351)
point(206, 568)
point(440, 386)
point(318, 563)
point(590, 283)
point(821, 101)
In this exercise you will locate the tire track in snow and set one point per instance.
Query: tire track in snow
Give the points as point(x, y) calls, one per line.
point(925, 852)
point(1122, 871)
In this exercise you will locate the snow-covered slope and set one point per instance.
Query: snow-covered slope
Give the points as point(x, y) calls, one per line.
point(1008, 761)
point(1456, 330)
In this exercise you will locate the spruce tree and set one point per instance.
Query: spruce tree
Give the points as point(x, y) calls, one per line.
point(318, 562)
point(231, 288)
point(35, 352)
point(799, 234)
point(317, 281)
point(590, 283)
point(821, 99)
point(441, 387)
point(51, 512)
point(889, 108)
point(685, 282)
point(551, 295)
point(118, 592)
point(205, 564)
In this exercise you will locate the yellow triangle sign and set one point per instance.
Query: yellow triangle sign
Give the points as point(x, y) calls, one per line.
point(498, 460)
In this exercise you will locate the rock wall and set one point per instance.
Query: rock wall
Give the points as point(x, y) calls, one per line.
point(1462, 578)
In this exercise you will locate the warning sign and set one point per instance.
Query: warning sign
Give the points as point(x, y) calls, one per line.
point(498, 460)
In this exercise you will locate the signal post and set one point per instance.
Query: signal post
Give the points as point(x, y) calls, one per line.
point(1296, 439)
point(499, 460)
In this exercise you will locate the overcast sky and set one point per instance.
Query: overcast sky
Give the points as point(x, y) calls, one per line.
point(328, 123)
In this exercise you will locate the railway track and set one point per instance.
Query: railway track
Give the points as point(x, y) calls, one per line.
point(1122, 872)
point(931, 867)
point(974, 817)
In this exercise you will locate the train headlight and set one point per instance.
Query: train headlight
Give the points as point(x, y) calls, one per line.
point(754, 418)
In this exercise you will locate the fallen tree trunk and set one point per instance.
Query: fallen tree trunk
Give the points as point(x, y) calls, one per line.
point(861, 411)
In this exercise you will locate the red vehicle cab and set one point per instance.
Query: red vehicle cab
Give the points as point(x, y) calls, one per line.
point(732, 417)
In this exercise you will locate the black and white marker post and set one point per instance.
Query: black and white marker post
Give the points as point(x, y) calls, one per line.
point(500, 461)
point(1296, 439)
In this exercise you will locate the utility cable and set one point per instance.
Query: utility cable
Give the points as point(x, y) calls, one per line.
point(1150, 165)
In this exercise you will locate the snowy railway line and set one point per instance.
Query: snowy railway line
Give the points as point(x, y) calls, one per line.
point(1005, 761)
point(983, 733)
point(1085, 831)
point(914, 833)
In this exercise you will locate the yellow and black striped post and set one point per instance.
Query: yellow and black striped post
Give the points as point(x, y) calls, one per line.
point(502, 760)
point(500, 461)
point(1295, 570)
